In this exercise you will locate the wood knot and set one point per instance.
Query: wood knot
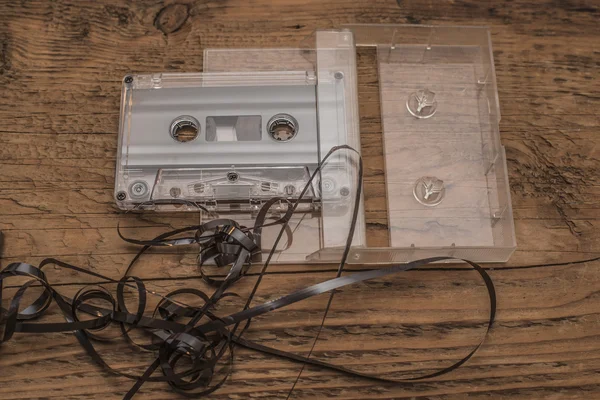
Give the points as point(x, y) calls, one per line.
point(121, 13)
point(171, 18)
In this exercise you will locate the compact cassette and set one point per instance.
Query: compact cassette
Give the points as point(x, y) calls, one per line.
point(227, 148)
point(230, 139)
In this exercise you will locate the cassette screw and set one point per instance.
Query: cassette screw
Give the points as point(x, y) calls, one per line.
point(175, 192)
point(128, 79)
point(422, 103)
point(338, 75)
point(233, 177)
point(289, 190)
point(121, 196)
point(344, 191)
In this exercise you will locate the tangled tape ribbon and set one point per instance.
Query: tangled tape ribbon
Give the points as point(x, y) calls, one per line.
point(207, 341)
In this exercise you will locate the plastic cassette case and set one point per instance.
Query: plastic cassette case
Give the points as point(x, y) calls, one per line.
point(256, 124)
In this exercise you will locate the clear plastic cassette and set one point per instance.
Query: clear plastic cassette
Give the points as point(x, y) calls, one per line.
point(216, 145)
point(254, 125)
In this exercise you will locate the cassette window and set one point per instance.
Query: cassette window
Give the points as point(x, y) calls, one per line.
point(234, 128)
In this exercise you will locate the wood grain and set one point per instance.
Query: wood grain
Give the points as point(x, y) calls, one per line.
point(61, 64)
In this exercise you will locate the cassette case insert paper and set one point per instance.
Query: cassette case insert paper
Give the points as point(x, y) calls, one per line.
point(256, 123)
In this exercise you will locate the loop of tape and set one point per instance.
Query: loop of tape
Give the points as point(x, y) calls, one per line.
point(206, 340)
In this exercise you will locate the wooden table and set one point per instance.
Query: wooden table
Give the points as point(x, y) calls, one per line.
point(61, 65)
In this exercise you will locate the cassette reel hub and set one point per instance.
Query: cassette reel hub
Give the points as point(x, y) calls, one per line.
point(185, 128)
point(282, 127)
point(233, 177)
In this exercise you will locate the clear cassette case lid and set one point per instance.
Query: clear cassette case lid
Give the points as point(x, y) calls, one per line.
point(445, 171)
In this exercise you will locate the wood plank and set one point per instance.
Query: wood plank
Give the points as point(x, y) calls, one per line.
point(537, 234)
point(545, 338)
